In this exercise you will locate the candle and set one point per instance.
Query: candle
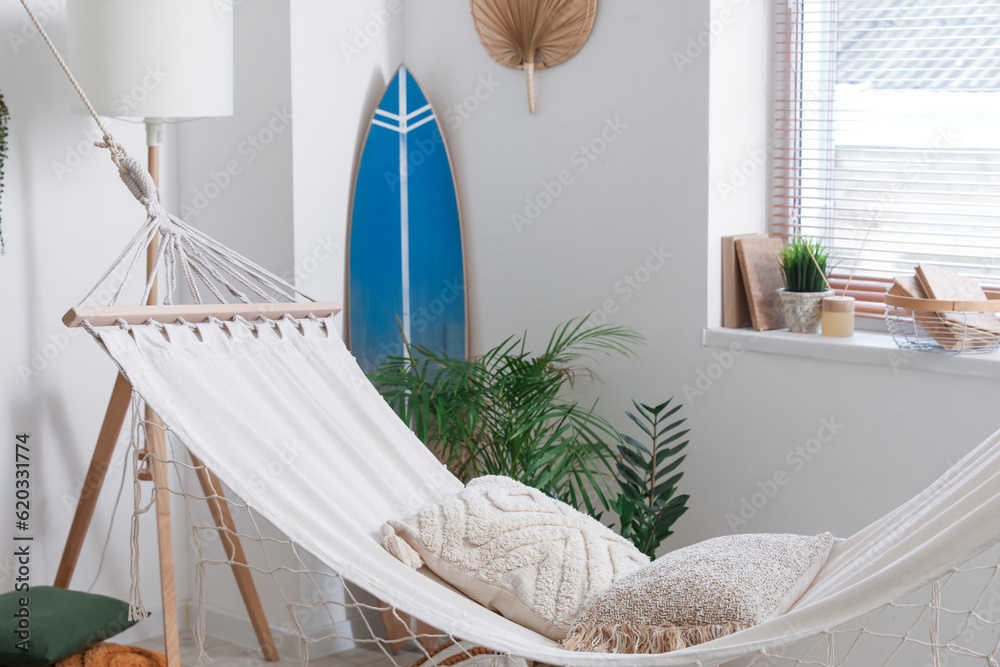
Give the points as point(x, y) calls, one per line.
point(838, 316)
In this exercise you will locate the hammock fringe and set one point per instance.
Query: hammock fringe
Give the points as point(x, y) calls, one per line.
point(642, 638)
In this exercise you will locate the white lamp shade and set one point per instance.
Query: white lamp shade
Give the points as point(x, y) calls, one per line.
point(153, 58)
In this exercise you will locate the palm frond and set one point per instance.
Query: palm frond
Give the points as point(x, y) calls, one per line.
point(530, 34)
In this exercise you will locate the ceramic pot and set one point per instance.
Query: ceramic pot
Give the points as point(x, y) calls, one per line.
point(802, 310)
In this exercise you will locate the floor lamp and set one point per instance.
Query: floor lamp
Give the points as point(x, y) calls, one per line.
point(159, 61)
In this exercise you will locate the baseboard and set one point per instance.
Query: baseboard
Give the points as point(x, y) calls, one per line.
point(237, 629)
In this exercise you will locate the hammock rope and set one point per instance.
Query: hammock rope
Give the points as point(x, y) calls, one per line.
point(184, 249)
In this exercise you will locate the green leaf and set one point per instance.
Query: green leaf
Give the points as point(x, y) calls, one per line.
point(672, 482)
point(634, 458)
point(674, 450)
point(625, 508)
point(674, 437)
point(643, 410)
point(672, 411)
point(630, 475)
point(639, 423)
point(659, 408)
point(633, 493)
point(635, 443)
point(674, 425)
point(670, 467)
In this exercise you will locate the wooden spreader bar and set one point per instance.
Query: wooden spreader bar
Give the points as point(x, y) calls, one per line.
point(107, 315)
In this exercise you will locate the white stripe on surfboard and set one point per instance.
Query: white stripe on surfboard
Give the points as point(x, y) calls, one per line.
point(419, 123)
point(404, 204)
point(379, 112)
point(418, 111)
point(376, 121)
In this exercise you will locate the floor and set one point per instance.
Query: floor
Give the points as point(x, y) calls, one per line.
point(225, 654)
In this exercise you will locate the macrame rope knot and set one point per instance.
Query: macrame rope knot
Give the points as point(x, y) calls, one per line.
point(138, 181)
point(158, 214)
point(117, 151)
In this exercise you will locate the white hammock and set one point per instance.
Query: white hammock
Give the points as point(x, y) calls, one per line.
point(243, 396)
point(239, 401)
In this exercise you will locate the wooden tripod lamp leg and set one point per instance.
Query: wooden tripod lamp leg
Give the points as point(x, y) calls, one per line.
point(156, 441)
point(428, 634)
point(99, 464)
point(212, 488)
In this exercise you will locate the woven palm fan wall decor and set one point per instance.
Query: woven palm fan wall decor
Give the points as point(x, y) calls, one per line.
point(533, 34)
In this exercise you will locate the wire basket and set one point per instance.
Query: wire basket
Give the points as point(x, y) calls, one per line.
point(943, 326)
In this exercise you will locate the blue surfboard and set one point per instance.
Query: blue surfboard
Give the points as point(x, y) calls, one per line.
point(405, 265)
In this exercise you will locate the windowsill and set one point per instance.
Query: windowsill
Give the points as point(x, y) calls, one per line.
point(864, 347)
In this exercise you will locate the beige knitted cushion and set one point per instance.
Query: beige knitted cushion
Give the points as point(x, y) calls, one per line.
point(701, 592)
point(515, 550)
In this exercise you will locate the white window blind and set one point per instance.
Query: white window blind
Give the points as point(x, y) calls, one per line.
point(887, 124)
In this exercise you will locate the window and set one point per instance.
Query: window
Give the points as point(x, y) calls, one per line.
point(886, 125)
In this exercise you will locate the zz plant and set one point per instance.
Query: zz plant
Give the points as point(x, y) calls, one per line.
point(649, 504)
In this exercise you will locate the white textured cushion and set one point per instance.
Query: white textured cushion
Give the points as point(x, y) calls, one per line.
point(517, 551)
point(701, 592)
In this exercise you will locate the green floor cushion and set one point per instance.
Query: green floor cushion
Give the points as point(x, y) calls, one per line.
point(46, 624)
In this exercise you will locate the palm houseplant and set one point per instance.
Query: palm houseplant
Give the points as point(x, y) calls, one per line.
point(804, 265)
point(507, 412)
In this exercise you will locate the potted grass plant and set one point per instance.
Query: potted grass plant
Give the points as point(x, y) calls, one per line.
point(804, 265)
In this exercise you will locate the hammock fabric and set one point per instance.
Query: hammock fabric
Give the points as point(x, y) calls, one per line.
point(242, 399)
